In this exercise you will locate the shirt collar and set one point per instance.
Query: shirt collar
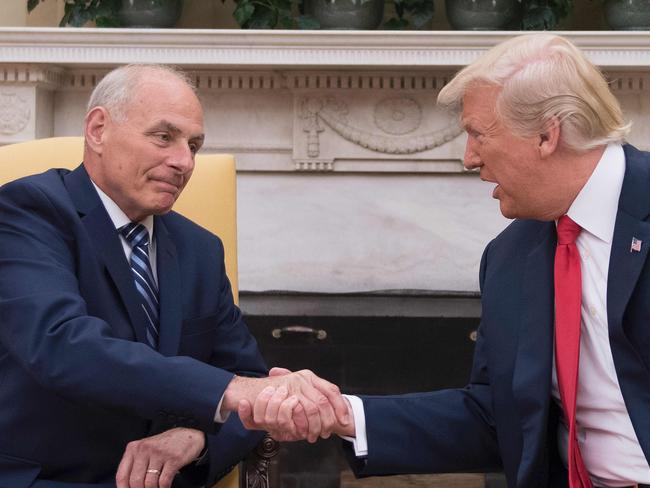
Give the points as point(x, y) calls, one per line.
point(118, 217)
point(595, 207)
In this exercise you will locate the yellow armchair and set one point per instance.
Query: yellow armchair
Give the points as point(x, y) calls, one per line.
point(209, 200)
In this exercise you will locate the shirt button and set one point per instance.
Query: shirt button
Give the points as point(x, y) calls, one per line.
point(581, 435)
point(593, 312)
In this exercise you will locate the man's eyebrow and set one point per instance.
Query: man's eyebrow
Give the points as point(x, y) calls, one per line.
point(164, 125)
point(168, 126)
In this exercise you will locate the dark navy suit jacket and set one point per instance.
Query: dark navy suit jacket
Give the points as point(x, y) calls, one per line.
point(77, 380)
point(505, 419)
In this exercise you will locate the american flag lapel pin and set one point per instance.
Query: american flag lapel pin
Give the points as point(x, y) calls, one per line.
point(636, 245)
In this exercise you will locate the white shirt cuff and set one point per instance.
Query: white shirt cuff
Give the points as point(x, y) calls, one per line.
point(220, 418)
point(360, 441)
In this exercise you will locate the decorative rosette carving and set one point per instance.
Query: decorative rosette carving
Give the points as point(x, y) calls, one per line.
point(398, 115)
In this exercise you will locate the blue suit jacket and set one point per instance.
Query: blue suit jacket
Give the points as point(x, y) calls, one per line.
point(505, 418)
point(77, 380)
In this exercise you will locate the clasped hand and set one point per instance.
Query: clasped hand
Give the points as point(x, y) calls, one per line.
point(297, 406)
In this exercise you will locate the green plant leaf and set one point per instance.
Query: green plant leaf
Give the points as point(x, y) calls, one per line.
point(308, 22)
point(264, 18)
point(421, 12)
point(108, 22)
point(284, 14)
point(75, 15)
point(415, 13)
point(396, 24)
point(286, 23)
point(399, 9)
point(545, 14)
point(243, 12)
point(539, 18)
point(561, 8)
point(31, 4)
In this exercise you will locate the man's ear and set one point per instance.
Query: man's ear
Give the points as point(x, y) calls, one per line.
point(95, 125)
point(549, 139)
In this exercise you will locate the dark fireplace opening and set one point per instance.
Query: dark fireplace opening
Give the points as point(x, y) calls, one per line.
point(387, 343)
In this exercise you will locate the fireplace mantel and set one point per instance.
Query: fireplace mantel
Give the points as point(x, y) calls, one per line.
point(288, 49)
point(350, 178)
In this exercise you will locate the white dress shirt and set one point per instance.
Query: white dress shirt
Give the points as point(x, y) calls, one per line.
point(608, 443)
point(119, 219)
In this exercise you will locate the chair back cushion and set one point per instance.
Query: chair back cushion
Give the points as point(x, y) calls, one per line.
point(209, 199)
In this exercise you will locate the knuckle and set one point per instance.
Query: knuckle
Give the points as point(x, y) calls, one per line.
point(132, 446)
point(136, 479)
point(165, 480)
point(311, 410)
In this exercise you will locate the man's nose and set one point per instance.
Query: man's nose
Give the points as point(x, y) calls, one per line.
point(182, 158)
point(471, 160)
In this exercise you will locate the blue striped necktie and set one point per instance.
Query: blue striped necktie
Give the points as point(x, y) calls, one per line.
point(138, 238)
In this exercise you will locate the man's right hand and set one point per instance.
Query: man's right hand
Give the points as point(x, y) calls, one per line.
point(282, 414)
point(316, 405)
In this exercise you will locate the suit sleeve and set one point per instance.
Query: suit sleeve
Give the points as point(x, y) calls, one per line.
point(443, 431)
point(236, 350)
point(46, 327)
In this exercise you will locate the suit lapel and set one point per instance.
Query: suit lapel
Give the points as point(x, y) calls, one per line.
point(625, 267)
point(533, 363)
point(106, 242)
point(169, 286)
point(625, 264)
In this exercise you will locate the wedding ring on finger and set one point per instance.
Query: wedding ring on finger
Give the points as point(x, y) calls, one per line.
point(153, 471)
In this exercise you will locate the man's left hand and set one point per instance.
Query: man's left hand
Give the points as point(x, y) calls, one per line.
point(153, 462)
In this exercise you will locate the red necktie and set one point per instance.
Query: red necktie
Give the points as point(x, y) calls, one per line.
point(568, 293)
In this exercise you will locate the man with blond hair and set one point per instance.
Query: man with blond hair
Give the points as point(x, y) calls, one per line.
point(559, 393)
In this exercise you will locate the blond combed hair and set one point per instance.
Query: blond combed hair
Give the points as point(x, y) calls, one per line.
point(544, 77)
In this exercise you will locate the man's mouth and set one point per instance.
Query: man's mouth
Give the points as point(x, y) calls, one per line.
point(170, 186)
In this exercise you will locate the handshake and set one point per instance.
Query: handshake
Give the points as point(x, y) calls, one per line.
point(290, 406)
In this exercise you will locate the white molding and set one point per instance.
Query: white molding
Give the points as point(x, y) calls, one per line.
point(295, 49)
point(50, 77)
point(361, 68)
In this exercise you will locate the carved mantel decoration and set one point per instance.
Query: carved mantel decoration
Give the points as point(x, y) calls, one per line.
point(15, 112)
point(392, 128)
